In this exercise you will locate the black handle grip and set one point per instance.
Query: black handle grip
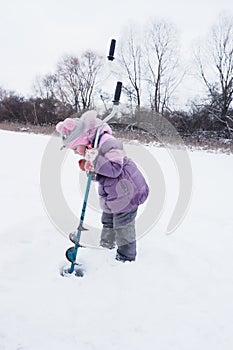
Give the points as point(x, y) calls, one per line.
point(117, 94)
point(111, 50)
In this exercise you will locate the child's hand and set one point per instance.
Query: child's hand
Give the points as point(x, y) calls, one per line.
point(81, 164)
point(85, 165)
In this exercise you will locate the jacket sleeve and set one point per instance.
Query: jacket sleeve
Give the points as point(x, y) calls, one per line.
point(109, 161)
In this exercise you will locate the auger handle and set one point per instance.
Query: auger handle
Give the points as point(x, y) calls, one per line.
point(111, 50)
point(117, 94)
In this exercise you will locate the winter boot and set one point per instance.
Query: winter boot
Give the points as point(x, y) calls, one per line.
point(123, 258)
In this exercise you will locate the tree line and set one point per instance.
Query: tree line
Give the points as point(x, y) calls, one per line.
point(149, 66)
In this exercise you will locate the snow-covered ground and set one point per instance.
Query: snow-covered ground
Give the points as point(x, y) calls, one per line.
point(176, 296)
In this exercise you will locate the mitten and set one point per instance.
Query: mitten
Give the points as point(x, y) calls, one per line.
point(88, 166)
point(90, 155)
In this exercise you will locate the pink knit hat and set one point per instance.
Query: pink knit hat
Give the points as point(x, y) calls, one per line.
point(78, 131)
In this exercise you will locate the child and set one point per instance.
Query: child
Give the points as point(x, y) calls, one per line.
point(122, 187)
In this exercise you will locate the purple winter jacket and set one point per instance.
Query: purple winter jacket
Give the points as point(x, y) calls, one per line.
point(122, 186)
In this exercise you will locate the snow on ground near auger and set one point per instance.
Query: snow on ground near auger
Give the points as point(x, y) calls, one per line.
point(178, 295)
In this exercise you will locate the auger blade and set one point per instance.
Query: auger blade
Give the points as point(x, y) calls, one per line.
point(78, 271)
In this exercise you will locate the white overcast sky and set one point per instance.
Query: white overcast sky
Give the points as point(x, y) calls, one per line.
point(35, 34)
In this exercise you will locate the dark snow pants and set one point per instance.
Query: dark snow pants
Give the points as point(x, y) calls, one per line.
point(120, 228)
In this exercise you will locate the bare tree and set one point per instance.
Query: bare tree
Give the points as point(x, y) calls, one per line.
point(161, 48)
point(90, 66)
point(215, 63)
point(46, 87)
point(131, 62)
point(68, 88)
point(77, 78)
